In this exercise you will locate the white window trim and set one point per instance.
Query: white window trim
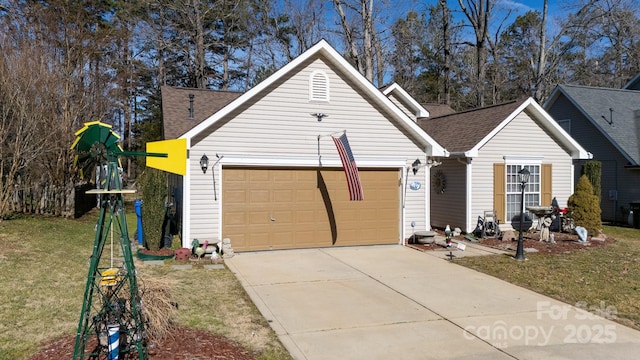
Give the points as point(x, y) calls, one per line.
point(522, 161)
point(312, 93)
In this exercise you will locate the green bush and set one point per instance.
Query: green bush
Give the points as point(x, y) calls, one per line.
point(153, 184)
point(593, 170)
point(585, 207)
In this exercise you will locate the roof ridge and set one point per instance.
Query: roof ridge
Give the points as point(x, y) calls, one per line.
point(599, 88)
point(200, 89)
point(475, 109)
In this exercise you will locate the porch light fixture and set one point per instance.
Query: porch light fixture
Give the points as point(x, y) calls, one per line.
point(415, 166)
point(204, 163)
point(523, 175)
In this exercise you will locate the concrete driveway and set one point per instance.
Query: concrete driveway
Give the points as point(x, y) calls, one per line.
point(392, 302)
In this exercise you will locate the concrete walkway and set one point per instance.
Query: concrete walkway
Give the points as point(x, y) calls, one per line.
point(392, 302)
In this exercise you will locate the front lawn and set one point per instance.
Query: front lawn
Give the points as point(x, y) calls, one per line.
point(43, 271)
point(598, 277)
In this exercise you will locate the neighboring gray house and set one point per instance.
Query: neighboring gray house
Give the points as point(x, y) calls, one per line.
point(607, 122)
point(488, 147)
point(274, 178)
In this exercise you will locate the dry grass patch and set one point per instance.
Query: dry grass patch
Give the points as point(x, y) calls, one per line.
point(214, 300)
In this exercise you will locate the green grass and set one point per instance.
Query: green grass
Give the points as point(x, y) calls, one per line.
point(599, 277)
point(43, 271)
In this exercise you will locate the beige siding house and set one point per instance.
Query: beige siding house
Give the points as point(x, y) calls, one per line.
point(274, 179)
point(487, 148)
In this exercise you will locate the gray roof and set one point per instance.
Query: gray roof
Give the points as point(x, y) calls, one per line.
point(595, 103)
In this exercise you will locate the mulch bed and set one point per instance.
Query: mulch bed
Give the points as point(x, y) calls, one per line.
point(183, 344)
point(564, 243)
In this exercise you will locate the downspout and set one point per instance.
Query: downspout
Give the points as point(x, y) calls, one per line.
point(468, 192)
point(186, 202)
point(427, 195)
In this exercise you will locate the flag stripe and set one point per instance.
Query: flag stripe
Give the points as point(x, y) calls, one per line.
point(350, 167)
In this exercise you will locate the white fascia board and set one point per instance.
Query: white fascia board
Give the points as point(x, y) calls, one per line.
point(576, 150)
point(308, 161)
point(546, 121)
point(255, 90)
point(432, 148)
point(418, 109)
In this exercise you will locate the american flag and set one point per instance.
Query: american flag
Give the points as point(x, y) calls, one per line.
point(350, 168)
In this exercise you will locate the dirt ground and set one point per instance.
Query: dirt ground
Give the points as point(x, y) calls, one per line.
point(187, 344)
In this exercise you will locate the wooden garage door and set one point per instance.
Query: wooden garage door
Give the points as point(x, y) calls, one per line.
point(266, 209)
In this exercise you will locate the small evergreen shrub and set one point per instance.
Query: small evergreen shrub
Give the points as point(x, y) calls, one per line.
point(593, 170)
point(153, 184)
point(584, 207)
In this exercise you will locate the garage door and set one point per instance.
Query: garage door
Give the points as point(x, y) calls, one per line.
point(266, 209)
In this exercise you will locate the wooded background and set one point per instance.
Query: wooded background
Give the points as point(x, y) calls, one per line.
point(63, 63)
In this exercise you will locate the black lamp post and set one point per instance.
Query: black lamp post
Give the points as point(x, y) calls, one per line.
point(523, 174)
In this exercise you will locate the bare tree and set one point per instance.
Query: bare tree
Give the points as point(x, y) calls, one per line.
point(358, 22)
point(478, 12)
point(22, 73)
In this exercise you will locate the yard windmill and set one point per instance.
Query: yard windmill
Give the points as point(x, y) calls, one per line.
point(112, 304)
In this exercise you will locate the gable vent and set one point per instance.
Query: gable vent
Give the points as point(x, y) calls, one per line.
point(319, 86)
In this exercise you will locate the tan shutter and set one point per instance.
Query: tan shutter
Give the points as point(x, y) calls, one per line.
point(499, 191)
point(546, 186)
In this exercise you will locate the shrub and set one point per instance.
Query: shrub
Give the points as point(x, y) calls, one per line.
point(153, 183)
point(593, 170)
point(585, 207)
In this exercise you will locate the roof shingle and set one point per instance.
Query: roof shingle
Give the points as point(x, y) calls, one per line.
point(175, 107)
point(462, 131)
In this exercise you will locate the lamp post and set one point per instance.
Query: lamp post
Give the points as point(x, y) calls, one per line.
point(523, 174)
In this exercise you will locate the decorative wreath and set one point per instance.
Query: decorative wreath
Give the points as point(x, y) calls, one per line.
point(439, 182)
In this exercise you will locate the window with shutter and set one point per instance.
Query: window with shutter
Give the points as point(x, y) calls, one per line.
point(507, 188)
point(318, 86)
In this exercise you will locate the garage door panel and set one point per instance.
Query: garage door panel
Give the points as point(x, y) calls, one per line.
point(301, 218)
point(258, 177)
point(235, 196)
point(234, 218)
point(306, 195)
point(258, 218)
point(306, 217)
point(258, 197)
point(283, 196)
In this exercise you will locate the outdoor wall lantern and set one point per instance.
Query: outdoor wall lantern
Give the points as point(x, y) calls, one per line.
point(204, 163)
point(415, 166)
point(523, 174)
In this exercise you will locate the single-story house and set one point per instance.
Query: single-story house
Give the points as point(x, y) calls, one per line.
point(607, 122)
point(274, 178)
point(488, 147)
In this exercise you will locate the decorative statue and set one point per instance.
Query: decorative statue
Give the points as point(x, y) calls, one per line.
point(544, 227)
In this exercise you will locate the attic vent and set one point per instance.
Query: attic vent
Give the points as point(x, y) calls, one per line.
point(319, 86)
